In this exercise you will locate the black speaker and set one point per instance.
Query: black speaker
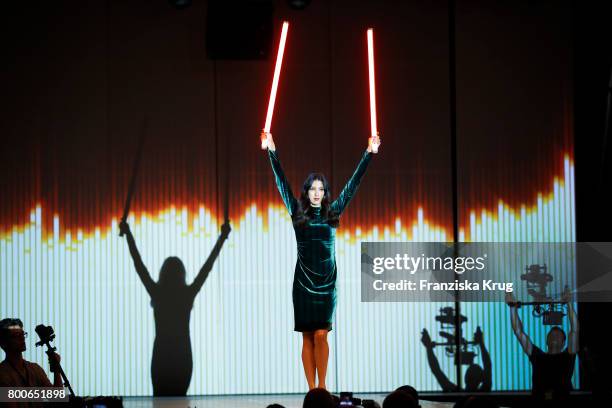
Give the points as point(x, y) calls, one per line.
point(239, 30)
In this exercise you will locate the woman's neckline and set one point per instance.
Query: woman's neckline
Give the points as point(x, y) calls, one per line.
point(315, 209)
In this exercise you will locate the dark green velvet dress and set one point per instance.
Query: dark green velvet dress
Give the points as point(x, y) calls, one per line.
point(314, 282)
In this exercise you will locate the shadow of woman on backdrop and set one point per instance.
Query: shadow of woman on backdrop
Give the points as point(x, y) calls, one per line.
point(172, 300)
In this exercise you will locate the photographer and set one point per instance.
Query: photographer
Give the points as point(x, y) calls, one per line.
point(553, 369)
point(15, 371)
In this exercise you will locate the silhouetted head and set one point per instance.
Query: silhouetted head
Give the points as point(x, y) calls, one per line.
point(555, 340)
point(12, 336)
point(399, 399)
point(318, 398)
point(275, 406)
point(410, 390)
point(172, 272)
point(315, 193)
point(474, 376)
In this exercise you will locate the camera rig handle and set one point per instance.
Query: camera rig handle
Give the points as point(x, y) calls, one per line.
point(46, 337)
point(519, 304)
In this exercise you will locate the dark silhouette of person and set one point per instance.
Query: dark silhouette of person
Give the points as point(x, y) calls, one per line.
point(319, 398)
point(476, 378)
point(411, 391)
point(15, 371)
point(172, 300)
point(400, 399)
point(551, 370)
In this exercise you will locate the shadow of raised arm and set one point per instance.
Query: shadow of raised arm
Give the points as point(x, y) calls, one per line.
point(198, 282)
point(434, 365)
point(486, 361)
point(141, 269)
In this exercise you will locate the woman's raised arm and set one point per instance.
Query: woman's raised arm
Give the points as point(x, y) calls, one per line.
point(349, 190)
point(351, 186)
point(281, 180)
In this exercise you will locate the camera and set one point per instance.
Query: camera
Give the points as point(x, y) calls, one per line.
point(347, 400)
point(45, 333)
point(447, 317)
point(552, 317)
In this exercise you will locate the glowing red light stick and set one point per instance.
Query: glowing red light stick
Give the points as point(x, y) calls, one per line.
point(370, 37)
point(277, 70)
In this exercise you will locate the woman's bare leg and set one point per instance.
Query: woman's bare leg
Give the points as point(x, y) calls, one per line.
point(321, 352)
point(308, 358)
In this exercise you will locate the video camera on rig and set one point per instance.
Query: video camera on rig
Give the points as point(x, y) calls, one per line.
point(447, 317)
point(448, 321)
point(45, 333)
point(537, 278)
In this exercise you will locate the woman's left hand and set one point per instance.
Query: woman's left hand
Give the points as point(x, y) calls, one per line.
point(374, 143)
point(124, 227)
point(226, 229)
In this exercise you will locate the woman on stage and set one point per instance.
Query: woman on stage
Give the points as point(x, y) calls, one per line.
point(315, 220)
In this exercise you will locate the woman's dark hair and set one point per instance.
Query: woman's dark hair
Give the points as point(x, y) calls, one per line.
point(172, 272)
point(304, 210)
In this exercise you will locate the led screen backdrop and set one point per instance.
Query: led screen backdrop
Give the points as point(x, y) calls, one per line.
point(78, 104)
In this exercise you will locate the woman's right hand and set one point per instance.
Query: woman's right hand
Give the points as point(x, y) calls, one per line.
point(374, 143)
point(266, 140)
